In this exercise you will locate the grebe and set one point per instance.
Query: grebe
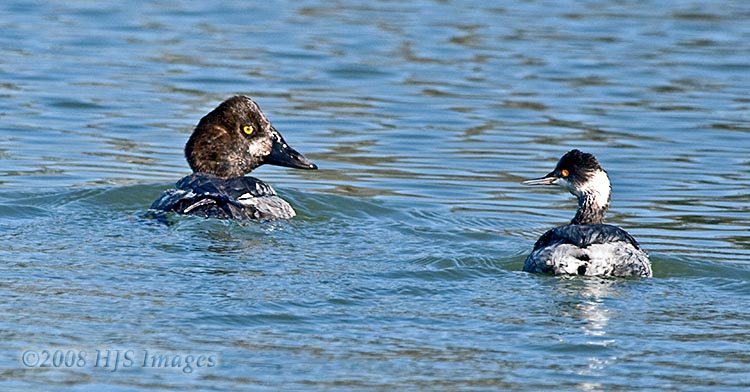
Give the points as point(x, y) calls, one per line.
point(586, 246)
point(228, 143)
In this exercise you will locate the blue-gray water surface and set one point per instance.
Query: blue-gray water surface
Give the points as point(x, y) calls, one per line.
point(402, 270)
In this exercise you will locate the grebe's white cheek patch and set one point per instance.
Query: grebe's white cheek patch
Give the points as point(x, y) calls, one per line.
point(565, 183)
point(599, 187)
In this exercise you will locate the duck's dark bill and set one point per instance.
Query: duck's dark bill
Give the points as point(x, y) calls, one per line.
point(546, 180)
point(283, 155)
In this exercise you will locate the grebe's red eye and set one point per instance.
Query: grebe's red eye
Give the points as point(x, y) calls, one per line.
point(564, 172)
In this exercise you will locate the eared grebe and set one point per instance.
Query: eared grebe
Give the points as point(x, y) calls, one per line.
point(228, 143)
point(586, 246)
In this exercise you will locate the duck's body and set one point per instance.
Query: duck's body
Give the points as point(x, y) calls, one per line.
point(586, 246)
point(228, 143)
point(210, 196)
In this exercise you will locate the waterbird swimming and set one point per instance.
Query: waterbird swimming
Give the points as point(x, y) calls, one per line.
point(586, 246)
point(228, 143)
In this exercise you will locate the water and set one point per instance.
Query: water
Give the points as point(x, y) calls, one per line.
point(402, 269)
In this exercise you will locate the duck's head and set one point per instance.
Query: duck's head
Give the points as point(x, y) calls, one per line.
point(581, 174)
point(235, 138)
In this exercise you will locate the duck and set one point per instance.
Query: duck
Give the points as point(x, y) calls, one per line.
point(228, 143)
point(587, 245)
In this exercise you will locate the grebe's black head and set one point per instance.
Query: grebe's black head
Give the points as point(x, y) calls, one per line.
point(581, 174)
point(576, 171)
point(235, 138)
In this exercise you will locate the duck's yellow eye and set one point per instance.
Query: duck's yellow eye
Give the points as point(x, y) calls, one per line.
point(564, 172)
point(248, 129)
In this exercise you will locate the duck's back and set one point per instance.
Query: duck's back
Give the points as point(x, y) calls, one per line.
point(598, 249)
point(210, 196)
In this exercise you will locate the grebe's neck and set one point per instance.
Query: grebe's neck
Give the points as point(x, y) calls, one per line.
point(593, 200)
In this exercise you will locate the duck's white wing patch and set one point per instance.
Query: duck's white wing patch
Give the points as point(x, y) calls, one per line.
point(268, 205)
point(169, 197)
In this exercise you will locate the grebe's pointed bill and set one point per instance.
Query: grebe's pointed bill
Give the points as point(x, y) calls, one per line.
point(549, 179)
